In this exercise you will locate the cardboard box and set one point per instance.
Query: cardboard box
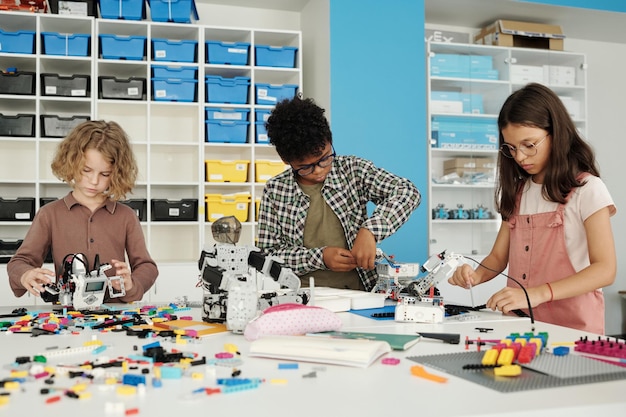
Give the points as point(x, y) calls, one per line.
point(468, 166)
point(521, 34)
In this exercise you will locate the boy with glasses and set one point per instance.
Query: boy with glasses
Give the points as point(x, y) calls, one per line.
point(555, 237)
point(314, 216)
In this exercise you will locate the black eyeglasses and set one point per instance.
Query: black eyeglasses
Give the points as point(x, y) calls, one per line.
point(526, 147)
point(305, 170)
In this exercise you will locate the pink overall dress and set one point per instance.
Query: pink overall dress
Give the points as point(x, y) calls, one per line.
point(537, 255)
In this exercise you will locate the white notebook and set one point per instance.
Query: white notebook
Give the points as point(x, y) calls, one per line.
point(349, 352)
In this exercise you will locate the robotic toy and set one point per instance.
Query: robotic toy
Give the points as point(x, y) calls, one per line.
point(239, 282)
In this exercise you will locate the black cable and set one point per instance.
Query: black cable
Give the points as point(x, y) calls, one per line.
point(530, 308)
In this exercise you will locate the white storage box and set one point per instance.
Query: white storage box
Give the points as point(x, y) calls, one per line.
point(523, 74)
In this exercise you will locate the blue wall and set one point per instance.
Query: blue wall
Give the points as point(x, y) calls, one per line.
point(378, 99)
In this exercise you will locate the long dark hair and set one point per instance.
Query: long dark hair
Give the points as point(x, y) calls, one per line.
point(537, 106)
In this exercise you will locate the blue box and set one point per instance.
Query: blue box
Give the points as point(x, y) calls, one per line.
point(20, 42)
point(227, 131)
point(464, 124)
point(261, 115)
point(168, 71)
point(275, 56)
point(227, 90)
point(66, 44)
point(174, 89)
point(232, 53)
point(178, 11)
point(122, 9)
point(227, 114)
point(123, 47)
point(464, 140)
point(261, 133)
point(174, 51)
point(274, 93)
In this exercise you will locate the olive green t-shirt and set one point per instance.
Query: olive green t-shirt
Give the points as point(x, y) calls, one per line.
point(323, 228)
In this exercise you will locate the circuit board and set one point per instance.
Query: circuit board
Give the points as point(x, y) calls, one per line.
point(545, 371)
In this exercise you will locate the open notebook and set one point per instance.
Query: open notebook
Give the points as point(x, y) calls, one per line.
point(349, 352)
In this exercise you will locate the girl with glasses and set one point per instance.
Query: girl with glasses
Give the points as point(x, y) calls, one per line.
point(556, 237)
point(314, 216)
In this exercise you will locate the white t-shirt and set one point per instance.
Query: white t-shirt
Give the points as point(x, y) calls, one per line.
point(583, 202)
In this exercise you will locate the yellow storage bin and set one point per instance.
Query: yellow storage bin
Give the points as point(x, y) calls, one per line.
point(264, 170)
point(257, 204)
point(220, 205)
point(226, 171)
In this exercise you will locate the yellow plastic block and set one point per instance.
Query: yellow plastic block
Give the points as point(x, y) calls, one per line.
point(508, 370)
point(231, 348)
point(522, 341)
point(506, 357)
point(490, 357)
point(126, 390)
point(539, 343)
point(506, 342)
point(79, 387)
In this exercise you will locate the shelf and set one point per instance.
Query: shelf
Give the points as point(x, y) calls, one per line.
point(467, 123)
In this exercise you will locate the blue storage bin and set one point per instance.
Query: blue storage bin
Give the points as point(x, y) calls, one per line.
point(20, 42)
point(168, 71)
point(174, 51)
point(174, 89)
point(227, 114)
point(178, 11)
point(275, 56)
point(227, 90)
point(122, 9)
point(233, 53)
point(66, 44)
point(226, 131)
point(261, 133)
point(261, 115)
point(273, 93)
point(123, 47)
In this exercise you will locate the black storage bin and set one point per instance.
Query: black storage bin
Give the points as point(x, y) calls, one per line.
point(8, 248)
point(18, 209)
point(74, 7)
point(174, 210)
point(59, 127)
point(139, 205)
point(22, 125)
point(45, 200)
point(133, 88)
point(21, 82)
point(67, 86)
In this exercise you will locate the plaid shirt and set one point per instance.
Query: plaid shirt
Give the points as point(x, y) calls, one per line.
point(349, 186)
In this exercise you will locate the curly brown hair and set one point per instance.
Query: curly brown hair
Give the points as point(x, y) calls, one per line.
point(298, 129)
point(111, 141)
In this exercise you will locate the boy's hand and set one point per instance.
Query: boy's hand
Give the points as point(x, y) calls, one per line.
point(122, 270)
point(338, 259)
point(364, 249)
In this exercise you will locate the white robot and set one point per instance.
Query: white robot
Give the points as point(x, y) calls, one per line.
point(238, 281)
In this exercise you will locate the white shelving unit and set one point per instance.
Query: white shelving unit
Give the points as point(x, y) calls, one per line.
point(475, 236)
point(168, 138)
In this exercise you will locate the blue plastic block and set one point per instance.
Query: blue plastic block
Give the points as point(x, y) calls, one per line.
point(123, 47)
point(227, 131)
point(130, 379)
point(66, 44)
point(275, 56)
point(274, 93)
point(20, 42)
point(174, 51)
point(227, 90)
point(122, 9)
point(232, 53)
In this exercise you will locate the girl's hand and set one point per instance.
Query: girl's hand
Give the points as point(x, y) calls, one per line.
point(464, 276)
point(509, 299)
point(34, 280)
point(122, 270)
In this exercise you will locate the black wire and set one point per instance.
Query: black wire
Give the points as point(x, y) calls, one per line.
point(530, 308)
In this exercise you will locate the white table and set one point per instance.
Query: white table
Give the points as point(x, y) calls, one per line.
point(378, 390)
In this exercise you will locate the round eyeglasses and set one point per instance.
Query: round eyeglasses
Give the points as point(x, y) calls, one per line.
point(305, 170)
point(525, 147)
